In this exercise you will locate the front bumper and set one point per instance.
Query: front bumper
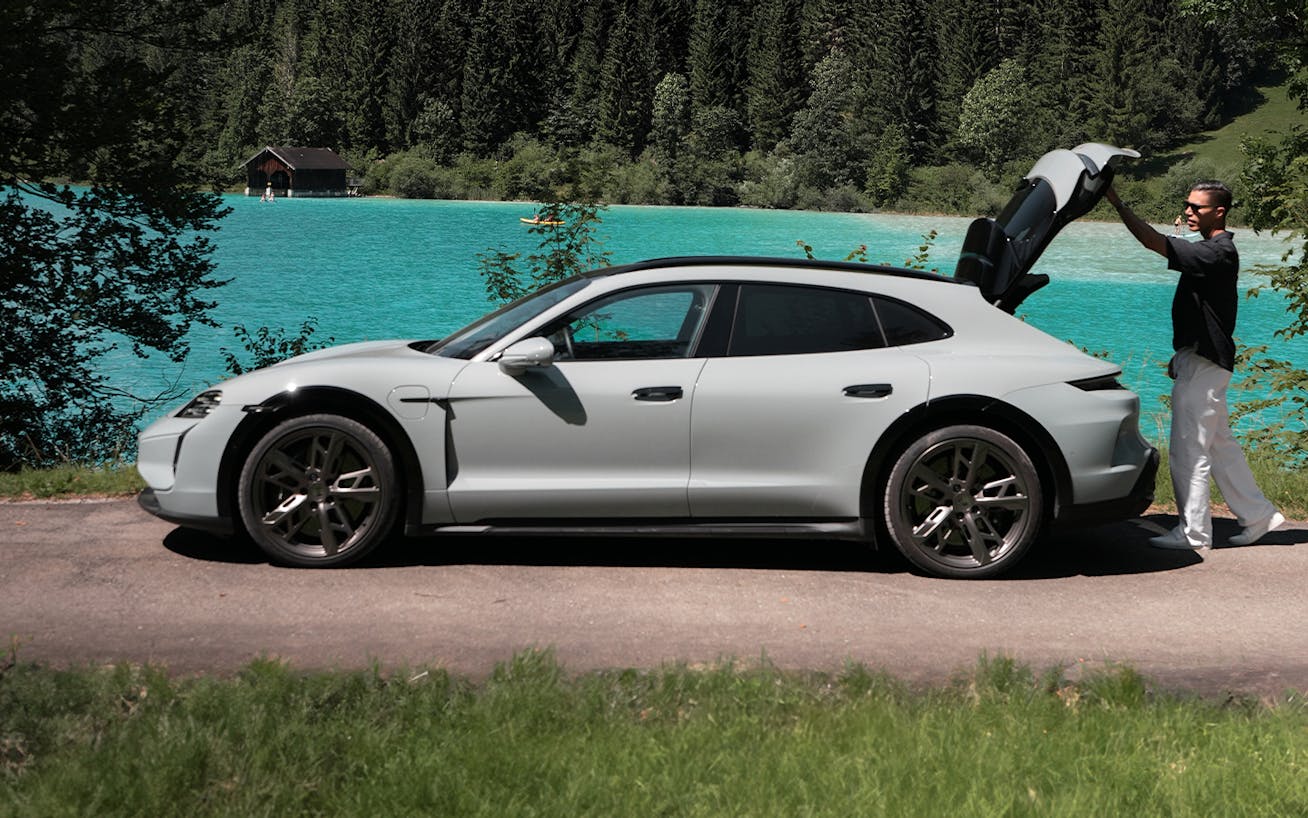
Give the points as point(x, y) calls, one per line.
point(148, 500)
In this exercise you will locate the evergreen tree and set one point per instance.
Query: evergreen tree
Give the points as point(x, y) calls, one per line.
point(244, 78)
point(901, 86)
point(967, 51)
point(828, 140)
point(625, 95)
point(284, 61)
point(314, 114)
point(709, 69)
point(670, 22)
point(367, 62)
point(776, 73)
point(415, 60)
point(826, 27)
point(1059, 70)
point(670, 123)
point(671, 116)
point(501, 86)
point(1119, 109)
point(587, 60)
point(888, 169)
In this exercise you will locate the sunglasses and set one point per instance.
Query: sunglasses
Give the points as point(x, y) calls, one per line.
point(1197, 208)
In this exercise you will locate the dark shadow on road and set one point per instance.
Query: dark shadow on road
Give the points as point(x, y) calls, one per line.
point(200, 545)
point(637, 552)
point(1111, 550)
point(1104, 551)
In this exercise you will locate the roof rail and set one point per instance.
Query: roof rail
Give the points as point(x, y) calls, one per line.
point(767, 261)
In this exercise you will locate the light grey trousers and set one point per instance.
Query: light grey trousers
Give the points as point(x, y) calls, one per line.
point(1202, 446)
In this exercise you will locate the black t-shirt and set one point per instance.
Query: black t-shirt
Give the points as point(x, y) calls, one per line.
point(1204, 306)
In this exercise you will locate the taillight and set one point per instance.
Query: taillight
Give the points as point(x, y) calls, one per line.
point(1097, 383)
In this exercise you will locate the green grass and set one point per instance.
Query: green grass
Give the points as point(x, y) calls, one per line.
point(1286, 488)
point(1272, 113)
point(1155, 184)
point(70, 481)
point(531, 740)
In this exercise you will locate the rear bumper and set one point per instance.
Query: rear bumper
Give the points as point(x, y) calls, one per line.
point(214, 525)
point(1110, 511)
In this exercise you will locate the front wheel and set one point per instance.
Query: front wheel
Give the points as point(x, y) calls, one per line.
point(319, 490)
point(964, 502)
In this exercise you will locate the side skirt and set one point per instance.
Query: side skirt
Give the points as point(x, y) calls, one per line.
point(781, 529)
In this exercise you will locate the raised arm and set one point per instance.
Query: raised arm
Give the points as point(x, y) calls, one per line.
point(1143, 232)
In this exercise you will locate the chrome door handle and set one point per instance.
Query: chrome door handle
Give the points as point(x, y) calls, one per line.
point(869, 390)
point(658, 393)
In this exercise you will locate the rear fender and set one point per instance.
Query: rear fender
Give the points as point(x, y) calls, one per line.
point(965, 409)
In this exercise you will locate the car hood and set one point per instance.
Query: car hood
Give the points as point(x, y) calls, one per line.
point(998, 253)
point(374, 368)
point(354, 350)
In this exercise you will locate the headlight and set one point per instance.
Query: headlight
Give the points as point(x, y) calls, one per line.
point(201, 405)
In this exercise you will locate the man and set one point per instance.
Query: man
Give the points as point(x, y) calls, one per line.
point(1203, 323)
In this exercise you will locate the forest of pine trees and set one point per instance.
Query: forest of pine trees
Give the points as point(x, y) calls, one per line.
point(775, 103)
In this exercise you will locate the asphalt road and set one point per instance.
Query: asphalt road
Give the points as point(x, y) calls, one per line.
point(102, 581)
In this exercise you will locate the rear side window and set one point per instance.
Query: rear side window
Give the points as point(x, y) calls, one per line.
point(905, 325)
point(775, 319)
point(779, 319)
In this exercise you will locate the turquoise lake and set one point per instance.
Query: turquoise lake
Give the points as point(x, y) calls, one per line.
point(392, 268)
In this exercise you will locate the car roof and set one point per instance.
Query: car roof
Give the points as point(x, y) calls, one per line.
point(770, 262)
point(952, 300)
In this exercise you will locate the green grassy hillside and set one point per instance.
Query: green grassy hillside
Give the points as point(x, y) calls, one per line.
point(1271, 112)
point(1157, 182)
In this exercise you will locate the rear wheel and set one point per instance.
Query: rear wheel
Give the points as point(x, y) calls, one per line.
point(319, 490)
point(964, 501)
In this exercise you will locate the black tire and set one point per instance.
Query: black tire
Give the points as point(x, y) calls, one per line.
point(964, 502)
point(319, 491)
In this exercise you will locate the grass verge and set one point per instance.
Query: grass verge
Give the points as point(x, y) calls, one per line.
point(531, 740)
point(1286, 488)
point(70, 481)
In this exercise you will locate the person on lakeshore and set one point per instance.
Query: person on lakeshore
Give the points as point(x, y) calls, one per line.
point(1203, 325)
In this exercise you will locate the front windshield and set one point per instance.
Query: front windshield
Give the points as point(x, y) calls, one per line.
point(485, 331)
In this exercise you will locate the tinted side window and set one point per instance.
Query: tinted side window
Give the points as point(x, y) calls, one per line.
point(774, 319)
point(653, 322)
point(908, 325)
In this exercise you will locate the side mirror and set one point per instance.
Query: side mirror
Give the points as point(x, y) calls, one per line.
point(526, 354)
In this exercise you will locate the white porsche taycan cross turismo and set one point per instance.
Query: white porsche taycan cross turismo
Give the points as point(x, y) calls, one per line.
point(693, 396)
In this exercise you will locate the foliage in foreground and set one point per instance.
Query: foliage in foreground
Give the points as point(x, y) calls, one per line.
point(90, 93)
point(265, 346)
point(568, 246)
point(1000, 740)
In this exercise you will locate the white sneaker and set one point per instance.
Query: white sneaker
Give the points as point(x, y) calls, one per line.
point(1174, 540)
point(1257, 531)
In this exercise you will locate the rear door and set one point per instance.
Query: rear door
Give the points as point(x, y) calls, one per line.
point(783, 423)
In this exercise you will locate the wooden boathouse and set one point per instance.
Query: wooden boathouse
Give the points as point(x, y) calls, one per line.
point(296, 172)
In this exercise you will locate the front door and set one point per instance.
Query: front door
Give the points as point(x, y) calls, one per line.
point(604, 432)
